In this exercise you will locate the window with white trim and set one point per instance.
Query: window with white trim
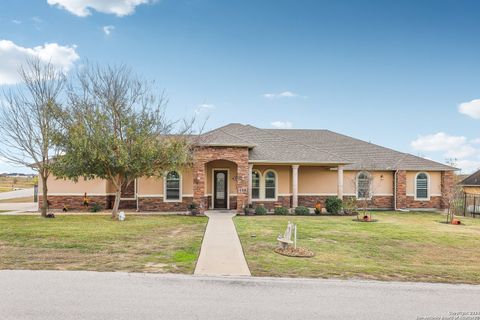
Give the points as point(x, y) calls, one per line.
point(270, 185)
point(255, 184)
point(363, 185)
point(172, 186)
point(421, 183)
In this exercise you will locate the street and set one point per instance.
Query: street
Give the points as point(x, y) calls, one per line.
point(93, 295)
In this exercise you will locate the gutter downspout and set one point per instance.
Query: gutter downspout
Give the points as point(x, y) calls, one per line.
point(395, 190)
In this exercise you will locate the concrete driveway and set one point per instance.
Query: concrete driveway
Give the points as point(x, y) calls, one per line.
point(17, 194)
point(14, 208)
point(91, 295)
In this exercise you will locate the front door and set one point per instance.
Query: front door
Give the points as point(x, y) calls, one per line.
point(220, 194)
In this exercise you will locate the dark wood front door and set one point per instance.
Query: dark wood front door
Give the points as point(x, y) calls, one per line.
point(220, 194)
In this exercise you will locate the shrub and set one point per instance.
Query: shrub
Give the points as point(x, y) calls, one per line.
point(333, 205)
point(302, 211)
point(96, 208)
point(260, 210)
point(281, 211)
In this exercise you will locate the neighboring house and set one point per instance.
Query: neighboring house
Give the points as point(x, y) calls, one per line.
point(471, 184)
point(240, 164)
point(471, 188)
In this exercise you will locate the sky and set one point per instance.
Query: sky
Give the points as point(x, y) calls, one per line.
point(401, 74)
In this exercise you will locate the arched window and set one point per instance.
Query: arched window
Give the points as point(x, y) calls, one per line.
point(363, 185)
point(270, 185)
point(255, 184)
point(421, 186)
point(172, 186)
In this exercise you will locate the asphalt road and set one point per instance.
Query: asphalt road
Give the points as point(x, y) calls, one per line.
point(92, 295)
point(17, 194)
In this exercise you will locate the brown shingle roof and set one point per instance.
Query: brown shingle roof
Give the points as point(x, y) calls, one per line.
point(318, 146)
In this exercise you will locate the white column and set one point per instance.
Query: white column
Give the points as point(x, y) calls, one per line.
point(295, 185)
point(340, 182)
point(250, 168)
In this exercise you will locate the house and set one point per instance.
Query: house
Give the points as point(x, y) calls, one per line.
point(471, 184)
point(238, 164)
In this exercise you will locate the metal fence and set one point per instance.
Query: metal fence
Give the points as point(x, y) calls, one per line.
point(471, 205)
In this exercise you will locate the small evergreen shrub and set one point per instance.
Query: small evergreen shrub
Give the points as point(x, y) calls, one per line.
point(333, 205)
point(281, 211)
point(302, 211)
point(260, 210)
point(96, 208)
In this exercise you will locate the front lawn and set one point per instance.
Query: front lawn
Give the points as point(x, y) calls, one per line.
point(138, 244)
point(400, 246)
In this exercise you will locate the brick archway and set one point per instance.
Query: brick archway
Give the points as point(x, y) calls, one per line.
point(237, 155)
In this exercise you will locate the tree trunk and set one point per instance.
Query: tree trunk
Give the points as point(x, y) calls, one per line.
point(44, 195)
point(116, 204)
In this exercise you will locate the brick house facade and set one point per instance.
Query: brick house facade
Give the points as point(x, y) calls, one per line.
point(240, 165)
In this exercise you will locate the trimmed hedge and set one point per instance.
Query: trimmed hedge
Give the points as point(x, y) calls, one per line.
point(302, 211)
point(333, 205)
point(260, 210)
point(281, 211)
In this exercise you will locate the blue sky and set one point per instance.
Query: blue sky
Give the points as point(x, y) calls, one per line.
point(390, 72)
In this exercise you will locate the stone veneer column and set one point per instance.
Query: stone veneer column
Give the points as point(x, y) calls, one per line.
point(401, 190)
point(447, 187)
point(242, 185)
point(250, 168)
point(199, 179)
point(294, 185)
point(340, 182)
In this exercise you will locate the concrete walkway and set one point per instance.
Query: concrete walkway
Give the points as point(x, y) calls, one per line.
point(221, 252)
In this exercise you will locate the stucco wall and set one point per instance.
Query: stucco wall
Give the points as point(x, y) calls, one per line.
point(284, 176)
point(435, 187)
point(60, 186)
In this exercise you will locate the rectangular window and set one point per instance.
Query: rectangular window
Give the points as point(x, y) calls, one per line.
point(172, 186)
point(422, 190)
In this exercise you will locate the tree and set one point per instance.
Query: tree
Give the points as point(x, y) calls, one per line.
point(115, 129)
point(28, 120)
point(365, 181)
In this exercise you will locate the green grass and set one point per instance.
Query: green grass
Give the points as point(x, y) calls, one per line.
point(400, 246)
point(138, 244)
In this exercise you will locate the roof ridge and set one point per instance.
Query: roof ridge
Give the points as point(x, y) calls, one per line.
point(307, 145)
point(235, 136)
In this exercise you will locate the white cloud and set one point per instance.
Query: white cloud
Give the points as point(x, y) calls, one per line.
point(475, 141)
point(82, 8)
point(108, 29)
point(281, 124)
point(471, 108)
point(457, 147)
point(468, 165)
point(284, 94)
point(12, 56)
point(437, 142)
point(204, 108)
point(16, 21)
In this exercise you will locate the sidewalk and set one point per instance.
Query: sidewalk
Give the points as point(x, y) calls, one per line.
point(221, 252)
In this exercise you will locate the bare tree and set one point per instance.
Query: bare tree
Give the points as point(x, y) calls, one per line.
point(364, 183)
point(27, 120)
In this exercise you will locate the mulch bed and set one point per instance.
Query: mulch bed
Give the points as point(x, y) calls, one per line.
point(297, 253)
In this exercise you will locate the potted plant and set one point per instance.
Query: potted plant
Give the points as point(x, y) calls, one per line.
point(318, 208)
point(193, 208)
point(249, 210)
